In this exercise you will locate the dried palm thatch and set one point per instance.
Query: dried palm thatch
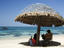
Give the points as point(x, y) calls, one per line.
point(41, 15)
point(42, 18)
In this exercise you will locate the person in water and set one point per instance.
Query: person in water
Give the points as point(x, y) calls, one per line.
point(47, 36)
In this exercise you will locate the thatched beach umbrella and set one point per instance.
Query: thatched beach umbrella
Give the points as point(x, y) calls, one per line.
point(41, 15)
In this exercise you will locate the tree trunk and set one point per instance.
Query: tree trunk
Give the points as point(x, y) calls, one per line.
point(38, 35)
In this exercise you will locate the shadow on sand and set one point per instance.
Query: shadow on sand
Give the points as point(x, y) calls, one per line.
point(43, 43)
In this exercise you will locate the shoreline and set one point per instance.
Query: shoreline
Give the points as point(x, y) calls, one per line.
point(26, 36)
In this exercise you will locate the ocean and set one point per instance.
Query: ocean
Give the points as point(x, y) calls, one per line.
point(6, 32)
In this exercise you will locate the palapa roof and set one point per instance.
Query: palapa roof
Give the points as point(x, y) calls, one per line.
point(40, 14)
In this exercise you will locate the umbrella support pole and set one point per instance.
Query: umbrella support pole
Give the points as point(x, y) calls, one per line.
point(38, 35)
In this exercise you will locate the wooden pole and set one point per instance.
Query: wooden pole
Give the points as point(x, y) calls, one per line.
point(38, 35)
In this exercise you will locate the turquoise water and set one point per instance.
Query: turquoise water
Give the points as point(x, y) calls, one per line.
point(27, 31)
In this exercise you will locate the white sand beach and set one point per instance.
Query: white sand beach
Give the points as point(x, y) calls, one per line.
point(14, 42)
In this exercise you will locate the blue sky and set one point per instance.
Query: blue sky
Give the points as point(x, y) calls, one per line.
point(9, 9)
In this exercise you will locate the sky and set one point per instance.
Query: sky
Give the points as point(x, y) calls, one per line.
point(9, 9)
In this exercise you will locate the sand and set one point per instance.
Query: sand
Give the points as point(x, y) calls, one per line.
point(14, 42)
